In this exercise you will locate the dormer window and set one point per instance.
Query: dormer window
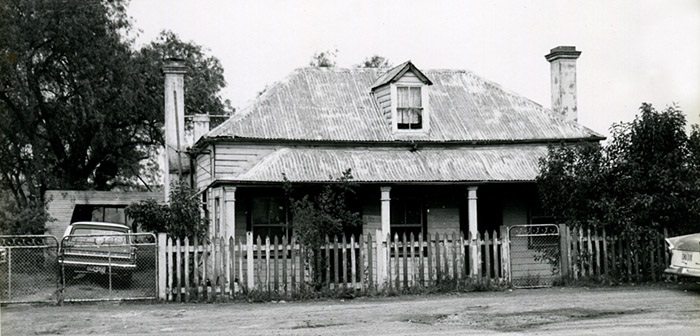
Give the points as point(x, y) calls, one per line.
point(409, 107)
point(402, 96)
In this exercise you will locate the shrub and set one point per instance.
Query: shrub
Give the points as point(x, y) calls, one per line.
point(179, 219)
point(16, 220)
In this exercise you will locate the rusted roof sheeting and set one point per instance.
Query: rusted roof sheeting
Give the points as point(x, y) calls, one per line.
point(485, 163)
point(336, 105)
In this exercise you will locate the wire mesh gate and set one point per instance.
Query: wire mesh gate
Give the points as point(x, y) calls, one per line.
point(28, 269)
point(535, 255)
point(108, 267)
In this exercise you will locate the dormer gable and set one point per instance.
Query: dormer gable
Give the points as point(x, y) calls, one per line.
point(402, 95)
point(396, 73)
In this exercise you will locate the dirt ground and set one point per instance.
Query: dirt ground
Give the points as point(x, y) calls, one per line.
point(663, 309)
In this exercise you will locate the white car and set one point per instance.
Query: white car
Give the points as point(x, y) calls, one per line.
point(685, 255)
point(99, 248)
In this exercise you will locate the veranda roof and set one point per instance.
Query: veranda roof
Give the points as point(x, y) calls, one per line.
point(463, 164)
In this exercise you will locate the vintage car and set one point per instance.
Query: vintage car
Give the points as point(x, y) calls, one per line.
point(98, 248)
point(685, 255)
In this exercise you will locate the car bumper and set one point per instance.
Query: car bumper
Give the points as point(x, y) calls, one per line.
point(100, 264)
point(684, 271)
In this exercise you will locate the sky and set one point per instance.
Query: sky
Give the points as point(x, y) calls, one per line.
point(632, 51)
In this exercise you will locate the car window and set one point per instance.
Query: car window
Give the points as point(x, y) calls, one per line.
point(103, 236)
point(95, 231)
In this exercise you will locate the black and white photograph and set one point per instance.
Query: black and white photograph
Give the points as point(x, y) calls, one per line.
point(310, 167)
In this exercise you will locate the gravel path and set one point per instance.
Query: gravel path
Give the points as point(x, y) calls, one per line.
point(663, 309)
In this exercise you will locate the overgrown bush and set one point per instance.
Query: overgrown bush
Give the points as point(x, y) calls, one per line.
point(16, 220)
point(324, 214)
point(179, 219)
point(645, 180)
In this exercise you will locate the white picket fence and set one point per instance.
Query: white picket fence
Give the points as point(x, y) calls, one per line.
point(217, 270)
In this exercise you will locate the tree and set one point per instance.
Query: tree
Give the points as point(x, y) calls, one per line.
point(204, 79)
point(375, 61)
point(645, 180)
point(324, 59)
point(72, 97)
point(82, 109)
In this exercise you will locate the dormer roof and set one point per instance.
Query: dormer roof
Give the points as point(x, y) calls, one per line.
point(395, 73)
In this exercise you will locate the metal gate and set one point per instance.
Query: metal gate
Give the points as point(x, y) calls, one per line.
point(28, 269)
point(535, 255)
point(112, 267)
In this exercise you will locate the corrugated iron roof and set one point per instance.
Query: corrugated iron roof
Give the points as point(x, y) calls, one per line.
point(334, 104)
point(385, 164)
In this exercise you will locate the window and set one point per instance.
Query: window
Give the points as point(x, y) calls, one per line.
point(101, 213)
point(409, 108)
point(217, 217)
point(407, 218)
point(269, 218)
point(205, 207)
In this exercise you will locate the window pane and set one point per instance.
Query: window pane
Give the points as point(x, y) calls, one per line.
point(268, 218)
point(408, 97)
point(114, 215)
point(98, 214)
point(397, 212)
point(415, 97)
point(415, 116)
point(217, 220)
point(414, 212)
point(403, 115)
point(268, 211)
point(403, 96)
point(406, 212)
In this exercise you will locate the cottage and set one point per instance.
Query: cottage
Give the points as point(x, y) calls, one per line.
point(434, 151)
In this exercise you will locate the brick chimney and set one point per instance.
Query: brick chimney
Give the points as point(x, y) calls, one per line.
point(176, 160)
point(562, 61)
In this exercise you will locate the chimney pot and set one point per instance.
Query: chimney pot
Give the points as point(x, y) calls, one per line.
point(201, 125)
point(174, 65)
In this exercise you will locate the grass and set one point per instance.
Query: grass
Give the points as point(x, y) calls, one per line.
point(310, 292)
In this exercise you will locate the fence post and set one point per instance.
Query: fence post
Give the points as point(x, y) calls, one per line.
point(249, 260)
point(170, 268)
point(505, 253)
point(381, 258)
point(162, 240)
point(564, 250)
point(178, 270)
point(475, 254)
point(186, 264)
point(605, 253)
